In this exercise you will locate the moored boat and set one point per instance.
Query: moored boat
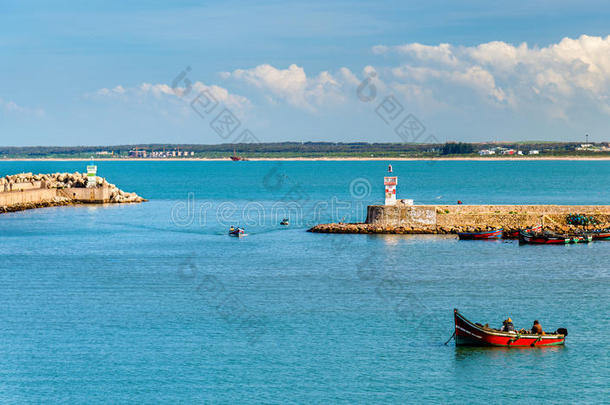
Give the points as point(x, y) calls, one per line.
point(543, 238)
point(515, 234)
point(494, 234)
point(601, 234)
point(285, 222)
point(475, 334)
point(581, 238)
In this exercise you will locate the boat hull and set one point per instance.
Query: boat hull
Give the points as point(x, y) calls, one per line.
point(536, 239)
point(601, 236)
point(495, 234)
point(515, 234)
point(470, 334)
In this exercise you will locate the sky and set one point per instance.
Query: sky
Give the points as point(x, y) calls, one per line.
point(114, 72)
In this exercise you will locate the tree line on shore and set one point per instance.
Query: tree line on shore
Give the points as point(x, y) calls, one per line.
point(303, 149)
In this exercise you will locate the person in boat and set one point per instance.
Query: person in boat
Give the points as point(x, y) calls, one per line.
point(231, 229)
point(507, 325)
point(537, 328)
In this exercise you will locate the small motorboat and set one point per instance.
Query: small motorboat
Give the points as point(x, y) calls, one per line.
point(494, 234)
point(285, 222)
point(515, 234)
point(237, 232)
point(475, 334)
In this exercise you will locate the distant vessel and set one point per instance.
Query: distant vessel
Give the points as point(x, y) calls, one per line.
point(237, 158)
point(284, 222)
point(237, 232)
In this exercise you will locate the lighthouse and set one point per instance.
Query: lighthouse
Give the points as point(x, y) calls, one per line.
point(91, 175)
point(390, 184)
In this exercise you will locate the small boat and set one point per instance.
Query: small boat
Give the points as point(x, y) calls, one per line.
point(475, 334)
point(237, 158)
point(601, 234)
point(581, 238)
point(549, 238)
point(237, 232)
point(515, 234)
point(285, 222)
point(543, 238)
point(495, 234)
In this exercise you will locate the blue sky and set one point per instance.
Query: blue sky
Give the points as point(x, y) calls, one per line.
point(101, 72)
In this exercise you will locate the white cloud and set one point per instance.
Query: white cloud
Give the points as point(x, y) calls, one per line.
point(295, 87)
point(555, 78)
point(12, 107)
point(380, 49)
point(162, 91)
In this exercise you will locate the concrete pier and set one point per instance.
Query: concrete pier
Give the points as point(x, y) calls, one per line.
point(449, 219)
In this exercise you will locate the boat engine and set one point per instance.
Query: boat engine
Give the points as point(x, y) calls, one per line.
point(562, 331)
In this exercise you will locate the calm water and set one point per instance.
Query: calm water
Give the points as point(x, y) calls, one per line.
point(154, 303)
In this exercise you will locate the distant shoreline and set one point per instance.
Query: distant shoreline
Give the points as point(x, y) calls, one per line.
point(316, 159)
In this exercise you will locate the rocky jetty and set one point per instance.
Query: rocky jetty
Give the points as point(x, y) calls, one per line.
point(29, 181)
point(26, 191)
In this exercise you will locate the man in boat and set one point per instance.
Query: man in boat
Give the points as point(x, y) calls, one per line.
point(507, 325)
point(537, 328)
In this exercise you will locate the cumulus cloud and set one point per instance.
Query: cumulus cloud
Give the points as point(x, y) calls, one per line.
point(12, 107)
point(293, 86)
point(517, 76)
point(162, 91)
point(554, 80)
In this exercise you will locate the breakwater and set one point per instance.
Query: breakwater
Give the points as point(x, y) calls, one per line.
point(26, 190)
point(451, 219)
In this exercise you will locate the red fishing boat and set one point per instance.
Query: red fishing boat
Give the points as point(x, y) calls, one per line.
point(547, 238)
point(475, 334)
point(515, 234)
point(542, 238)
point(494, 234)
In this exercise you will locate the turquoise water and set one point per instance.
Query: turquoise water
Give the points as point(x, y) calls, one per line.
point(154, 303)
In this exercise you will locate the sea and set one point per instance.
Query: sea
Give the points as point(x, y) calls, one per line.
point(155, 303)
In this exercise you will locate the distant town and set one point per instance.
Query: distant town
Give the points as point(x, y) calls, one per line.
point(312, 150)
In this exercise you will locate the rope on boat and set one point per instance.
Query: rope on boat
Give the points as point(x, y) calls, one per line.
point(452, 336)
point(537, 340)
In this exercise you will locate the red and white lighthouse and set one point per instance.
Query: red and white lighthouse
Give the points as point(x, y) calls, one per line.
point(390, 184)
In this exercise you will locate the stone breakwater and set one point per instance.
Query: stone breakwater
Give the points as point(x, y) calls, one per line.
point(451, 219)
point(26, 190)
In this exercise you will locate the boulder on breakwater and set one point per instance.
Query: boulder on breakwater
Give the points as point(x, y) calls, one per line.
point(28, 190)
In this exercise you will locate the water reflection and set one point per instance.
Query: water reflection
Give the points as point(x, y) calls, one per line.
point(465, 354)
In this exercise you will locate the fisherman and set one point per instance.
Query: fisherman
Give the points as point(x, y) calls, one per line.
point(231, 229)
point(507, 325)
point(537, 328)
